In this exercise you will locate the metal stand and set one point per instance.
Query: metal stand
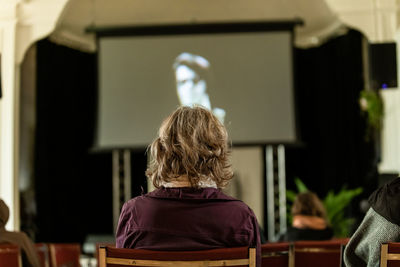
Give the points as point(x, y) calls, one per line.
point(276, 190)
point(121, 181)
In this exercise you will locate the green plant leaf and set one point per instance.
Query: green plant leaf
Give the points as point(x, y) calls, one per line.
point(290, 195)
point(301, 187)
point(372, 105)
point(335, 205)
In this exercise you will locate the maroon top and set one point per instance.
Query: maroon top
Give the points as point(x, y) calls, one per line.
point(187, 219)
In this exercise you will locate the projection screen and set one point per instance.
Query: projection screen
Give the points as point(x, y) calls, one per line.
point(245, 78)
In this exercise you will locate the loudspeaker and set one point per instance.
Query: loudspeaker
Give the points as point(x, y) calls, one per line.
point(383, 65)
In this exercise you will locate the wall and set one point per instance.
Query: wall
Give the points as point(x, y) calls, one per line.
point(21, 23)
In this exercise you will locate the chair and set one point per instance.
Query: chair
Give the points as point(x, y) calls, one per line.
point(390, 254)
point(43, 253)
point(63, 254)
point(102, 244)
point(122, 257)
point(10, 255)
point(277, 254)
point(318, 253)
point(341, 240)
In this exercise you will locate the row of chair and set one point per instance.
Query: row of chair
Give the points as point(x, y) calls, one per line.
point(307, 253)
point(59, 254)
point(321, 253)
point(50, 255)
point(304, 253)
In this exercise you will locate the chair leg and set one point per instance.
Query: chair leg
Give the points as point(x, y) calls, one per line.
point(384, 255)
point(102, 257)
point(252, 257)
point(291, 255)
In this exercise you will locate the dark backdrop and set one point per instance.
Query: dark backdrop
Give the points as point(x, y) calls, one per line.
point(73, 184)
point(335, 149)
point(73, 188)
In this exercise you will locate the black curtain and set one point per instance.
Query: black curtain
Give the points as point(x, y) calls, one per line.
point(335, 150)
point(73, 186)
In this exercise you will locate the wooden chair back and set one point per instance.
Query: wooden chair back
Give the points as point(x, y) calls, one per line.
point(120, 257)
point(43, 252)
point(276, 254)
point(102, 244)
point(318, 253)
point(10, 255)
point(390, 254)
point(64, 254)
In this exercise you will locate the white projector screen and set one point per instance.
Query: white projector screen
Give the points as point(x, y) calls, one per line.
point(246, 78)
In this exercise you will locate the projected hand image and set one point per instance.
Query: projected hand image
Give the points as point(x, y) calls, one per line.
point(191, 85)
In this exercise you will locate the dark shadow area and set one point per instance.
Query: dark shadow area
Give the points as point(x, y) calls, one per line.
point(336, 151)
point(73, 187)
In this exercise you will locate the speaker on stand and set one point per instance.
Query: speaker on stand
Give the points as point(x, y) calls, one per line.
point(383, 65)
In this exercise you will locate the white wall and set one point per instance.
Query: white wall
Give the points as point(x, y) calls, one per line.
point(247, 183)
point(21, 24)
point(391, 124)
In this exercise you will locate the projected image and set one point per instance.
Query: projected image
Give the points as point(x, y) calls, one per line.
point(191, 85)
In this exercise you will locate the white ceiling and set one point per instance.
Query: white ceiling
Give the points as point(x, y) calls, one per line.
point(319, 20)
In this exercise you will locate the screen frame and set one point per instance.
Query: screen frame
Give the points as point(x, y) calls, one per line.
point(203, 28)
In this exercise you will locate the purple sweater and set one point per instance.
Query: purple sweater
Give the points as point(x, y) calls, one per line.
point(187, 219)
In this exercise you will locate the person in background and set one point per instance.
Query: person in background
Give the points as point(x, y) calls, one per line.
point(381, 224)
point(309, 220)
point(29, 254)
point(188, 211)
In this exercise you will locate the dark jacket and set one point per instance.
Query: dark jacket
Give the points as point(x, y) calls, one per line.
point(386, 201)
point(187, 219)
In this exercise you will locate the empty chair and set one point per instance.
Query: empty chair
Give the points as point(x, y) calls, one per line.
point(390, 254)
point(119, 257)
point(10, 255)
point(43, 253)
point(63, 254)
point(276, 254)
point(318, 253)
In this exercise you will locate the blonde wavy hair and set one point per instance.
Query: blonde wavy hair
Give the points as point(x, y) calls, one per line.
point(192, 142)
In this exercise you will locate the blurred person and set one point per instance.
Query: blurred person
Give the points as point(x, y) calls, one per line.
point(381, 224)
point(28, 250)
point(309, 219)
point(188, 211)
point(191, 86)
